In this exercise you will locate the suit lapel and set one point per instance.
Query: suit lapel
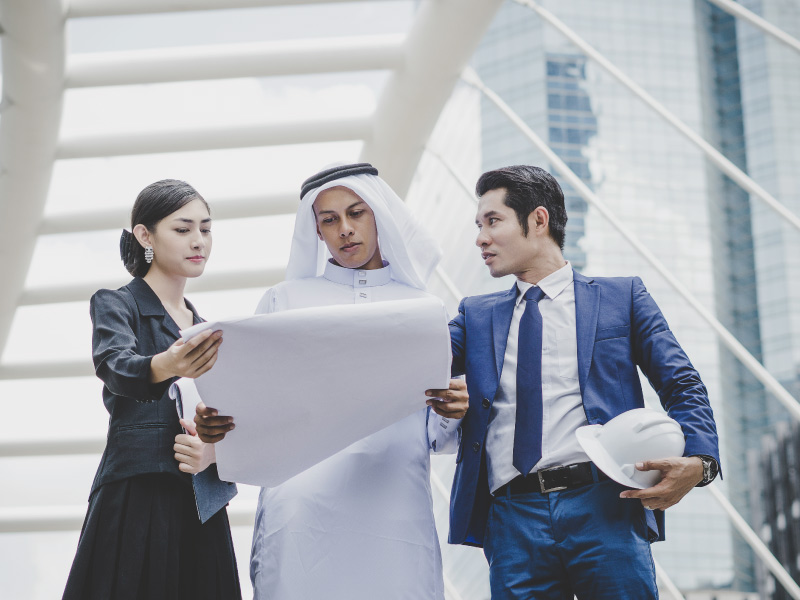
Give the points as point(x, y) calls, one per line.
point(502, 312)
point(170, 326)
point(150, 306)
point(587, 307)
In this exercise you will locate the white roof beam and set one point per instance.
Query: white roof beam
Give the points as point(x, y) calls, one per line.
point(441, 41)
point(211, 282)
point(111, 8)
point(267, 59)
point(46, 370)
point(242, 207)
point(52, 446)
point(33, 47)
point(215, 138)
point(25, 519)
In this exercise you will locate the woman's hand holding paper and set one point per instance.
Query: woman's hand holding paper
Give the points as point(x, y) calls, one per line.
point(191, 452)
point(187, 359)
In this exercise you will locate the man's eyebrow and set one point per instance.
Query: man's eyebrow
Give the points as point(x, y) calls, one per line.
point(348, 208)
point(487, 215)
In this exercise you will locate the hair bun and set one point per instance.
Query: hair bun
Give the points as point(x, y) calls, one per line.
point(127, 249)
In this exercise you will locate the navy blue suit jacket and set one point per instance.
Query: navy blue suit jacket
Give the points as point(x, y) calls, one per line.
point(619, 328)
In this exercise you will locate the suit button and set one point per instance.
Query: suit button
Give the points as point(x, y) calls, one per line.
point(476, 446)
point(486, 403)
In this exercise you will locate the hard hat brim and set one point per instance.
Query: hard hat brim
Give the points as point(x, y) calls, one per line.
point(587, 437)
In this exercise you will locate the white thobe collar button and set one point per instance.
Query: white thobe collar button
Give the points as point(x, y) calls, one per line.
point(358, 277)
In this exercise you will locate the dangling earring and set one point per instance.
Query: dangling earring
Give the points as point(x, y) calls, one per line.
point(148, 255)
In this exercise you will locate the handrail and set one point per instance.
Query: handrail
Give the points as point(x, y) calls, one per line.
point(661, 575)
point(760, 549)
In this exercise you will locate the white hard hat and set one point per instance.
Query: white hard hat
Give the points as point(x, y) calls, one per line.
point(634, 436)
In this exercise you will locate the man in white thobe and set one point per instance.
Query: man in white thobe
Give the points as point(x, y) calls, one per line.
point(360, 524)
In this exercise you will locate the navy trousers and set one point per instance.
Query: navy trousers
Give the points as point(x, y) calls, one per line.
point(585, 542)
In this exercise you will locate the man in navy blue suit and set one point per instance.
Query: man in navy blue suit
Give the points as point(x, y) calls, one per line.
point(557, 351)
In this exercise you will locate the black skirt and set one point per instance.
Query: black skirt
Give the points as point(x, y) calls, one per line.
point(142, 539)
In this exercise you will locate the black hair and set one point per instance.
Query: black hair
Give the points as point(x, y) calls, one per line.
point(527, 188)
point(155, 202)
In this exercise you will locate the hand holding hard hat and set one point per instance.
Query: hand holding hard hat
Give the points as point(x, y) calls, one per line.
point(635, 436)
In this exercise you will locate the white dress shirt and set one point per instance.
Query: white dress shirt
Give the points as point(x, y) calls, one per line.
point(562, 406)
point(359, 525)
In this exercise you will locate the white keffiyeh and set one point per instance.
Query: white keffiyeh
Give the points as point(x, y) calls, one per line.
point(404, 243)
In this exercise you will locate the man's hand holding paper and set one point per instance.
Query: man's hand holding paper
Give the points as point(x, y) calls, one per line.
point(452, 402)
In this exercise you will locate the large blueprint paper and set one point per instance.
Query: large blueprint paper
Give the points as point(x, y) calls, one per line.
point(304, 384)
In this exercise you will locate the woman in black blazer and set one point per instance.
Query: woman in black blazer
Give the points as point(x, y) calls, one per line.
point(142, 538)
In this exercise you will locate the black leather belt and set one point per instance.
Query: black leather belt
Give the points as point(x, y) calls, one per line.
point(553, 479)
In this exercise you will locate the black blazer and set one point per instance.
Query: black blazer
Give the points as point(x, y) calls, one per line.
point(130, 326)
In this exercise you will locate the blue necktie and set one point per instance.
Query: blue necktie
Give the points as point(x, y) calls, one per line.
point(528, 428)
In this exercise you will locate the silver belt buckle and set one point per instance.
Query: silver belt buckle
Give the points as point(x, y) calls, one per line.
point(542, 487)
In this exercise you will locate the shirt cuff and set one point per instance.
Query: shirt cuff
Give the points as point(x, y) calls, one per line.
point(448, 425)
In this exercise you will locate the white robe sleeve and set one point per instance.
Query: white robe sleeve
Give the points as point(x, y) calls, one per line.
point(444, 434)
point(267, 303)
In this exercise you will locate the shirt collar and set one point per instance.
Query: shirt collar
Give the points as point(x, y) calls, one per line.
point(552, 285)
point(358, 278)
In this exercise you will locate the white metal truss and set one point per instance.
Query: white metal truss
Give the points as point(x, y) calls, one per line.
point(415, 95)
point(190, 139)
point(33, 83)
point(423, 70)
point(35, 76)
point(108, 8)
point(262, 59)
point(33, 104)
point(715, 156)
point(239, 207)
point(737, 10)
